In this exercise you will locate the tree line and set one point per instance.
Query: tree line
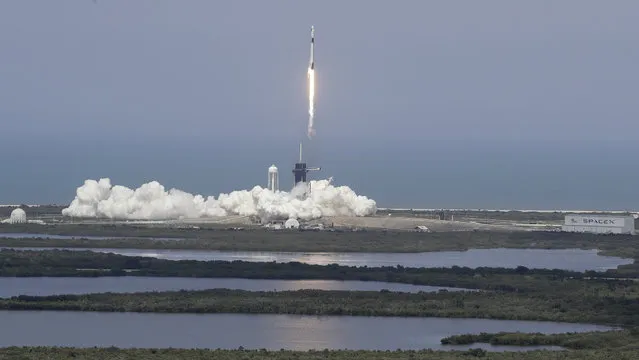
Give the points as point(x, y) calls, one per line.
point(67, 263)
point(608, 309)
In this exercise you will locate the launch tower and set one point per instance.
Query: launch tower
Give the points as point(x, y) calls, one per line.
point(300, 170)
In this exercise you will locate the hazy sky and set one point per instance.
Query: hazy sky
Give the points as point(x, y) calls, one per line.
point(192, 92)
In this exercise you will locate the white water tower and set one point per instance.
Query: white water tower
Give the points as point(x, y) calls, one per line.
point(273, 179)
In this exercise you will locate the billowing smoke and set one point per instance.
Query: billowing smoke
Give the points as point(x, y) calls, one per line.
point(99, 199)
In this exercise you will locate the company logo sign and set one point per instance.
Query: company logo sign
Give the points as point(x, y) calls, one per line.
point(599, 221)
point(593, 221)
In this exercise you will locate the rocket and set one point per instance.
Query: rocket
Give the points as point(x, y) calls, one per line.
point(311, 87)
point(311, 64)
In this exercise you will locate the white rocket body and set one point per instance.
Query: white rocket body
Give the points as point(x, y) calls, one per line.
point(311, 63)
point(311, 87)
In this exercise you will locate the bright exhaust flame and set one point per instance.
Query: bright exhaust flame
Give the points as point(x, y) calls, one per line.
point(311, 102)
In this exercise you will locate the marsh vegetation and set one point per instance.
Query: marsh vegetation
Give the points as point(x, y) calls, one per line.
point(131, 237)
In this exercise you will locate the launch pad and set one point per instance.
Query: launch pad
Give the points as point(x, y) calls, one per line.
point(299, 173)
point(300, 170)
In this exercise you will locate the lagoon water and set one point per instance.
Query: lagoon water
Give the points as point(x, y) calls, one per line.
point(565, 259)
point(42, 286)
point(254, 331)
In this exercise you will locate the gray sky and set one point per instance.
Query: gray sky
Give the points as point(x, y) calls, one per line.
point(229, 77)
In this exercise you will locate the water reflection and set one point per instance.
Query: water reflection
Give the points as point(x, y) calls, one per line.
point(230, 331)
point(42, 286)
point(566, 259)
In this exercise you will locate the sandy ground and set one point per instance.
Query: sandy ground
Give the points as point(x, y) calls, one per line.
point(349, 222)
point(375, 222)
point(410, 223)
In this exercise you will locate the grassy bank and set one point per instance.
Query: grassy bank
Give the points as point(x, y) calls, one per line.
point(52, 353)
point(609, 308)
point(324, 241)
point(66, 263)
point(628, 339)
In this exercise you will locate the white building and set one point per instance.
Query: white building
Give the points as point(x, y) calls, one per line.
point(599, 224)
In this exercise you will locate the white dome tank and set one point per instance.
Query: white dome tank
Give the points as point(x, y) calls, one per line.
point(18, 216)
point(292, 224)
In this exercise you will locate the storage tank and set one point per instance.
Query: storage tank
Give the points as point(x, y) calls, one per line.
point(18, 216)
point(292, 224)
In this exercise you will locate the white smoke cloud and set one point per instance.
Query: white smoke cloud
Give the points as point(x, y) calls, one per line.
point(99, 199)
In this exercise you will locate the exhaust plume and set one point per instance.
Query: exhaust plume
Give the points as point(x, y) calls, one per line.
point(311, 87)
point(99, 199)
point(311, 102)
